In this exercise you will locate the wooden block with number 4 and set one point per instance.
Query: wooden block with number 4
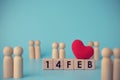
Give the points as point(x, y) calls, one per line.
point(58, 64)
point(47, 64)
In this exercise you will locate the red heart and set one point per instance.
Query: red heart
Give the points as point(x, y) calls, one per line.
point(80, 51)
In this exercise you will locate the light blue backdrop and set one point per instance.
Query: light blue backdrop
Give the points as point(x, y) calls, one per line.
point(59, 21)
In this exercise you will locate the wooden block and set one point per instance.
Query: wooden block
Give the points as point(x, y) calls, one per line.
point(79, 64)
point(90, 64)
point(47, 64)
point(58, 64)
point(68, 64)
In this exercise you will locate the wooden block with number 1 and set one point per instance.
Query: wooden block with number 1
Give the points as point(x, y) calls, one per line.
point(47, 64)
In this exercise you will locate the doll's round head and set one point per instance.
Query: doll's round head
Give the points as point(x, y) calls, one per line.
point(62, 45)
point(37, 42)
point(8, 51)
point(18, 51)
point(106, 52)
point(55, 45)
point(90, 43)
point(116, 52)
point(31, 42)
point(96, 44)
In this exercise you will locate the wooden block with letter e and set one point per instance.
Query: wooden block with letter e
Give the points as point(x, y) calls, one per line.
point(90, 64)
point(68, 64)
point(47, 64)
point(58, 63)
point(79, 64)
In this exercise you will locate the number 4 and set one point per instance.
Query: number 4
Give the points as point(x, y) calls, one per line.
point(58, 64)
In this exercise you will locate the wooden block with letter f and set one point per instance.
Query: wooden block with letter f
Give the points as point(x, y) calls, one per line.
point(68, 64)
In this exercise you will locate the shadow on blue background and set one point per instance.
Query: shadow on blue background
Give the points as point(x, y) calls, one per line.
point(59, 21)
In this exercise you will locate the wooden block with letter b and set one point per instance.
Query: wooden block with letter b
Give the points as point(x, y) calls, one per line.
point(90, 64)
point(58, 64)
point(47, 64)
point(79, 63)
point(68, 64)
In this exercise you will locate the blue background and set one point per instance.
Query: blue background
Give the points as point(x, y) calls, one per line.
point(58, 21)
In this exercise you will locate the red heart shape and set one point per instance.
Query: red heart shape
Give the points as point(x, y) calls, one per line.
point(80, 51)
